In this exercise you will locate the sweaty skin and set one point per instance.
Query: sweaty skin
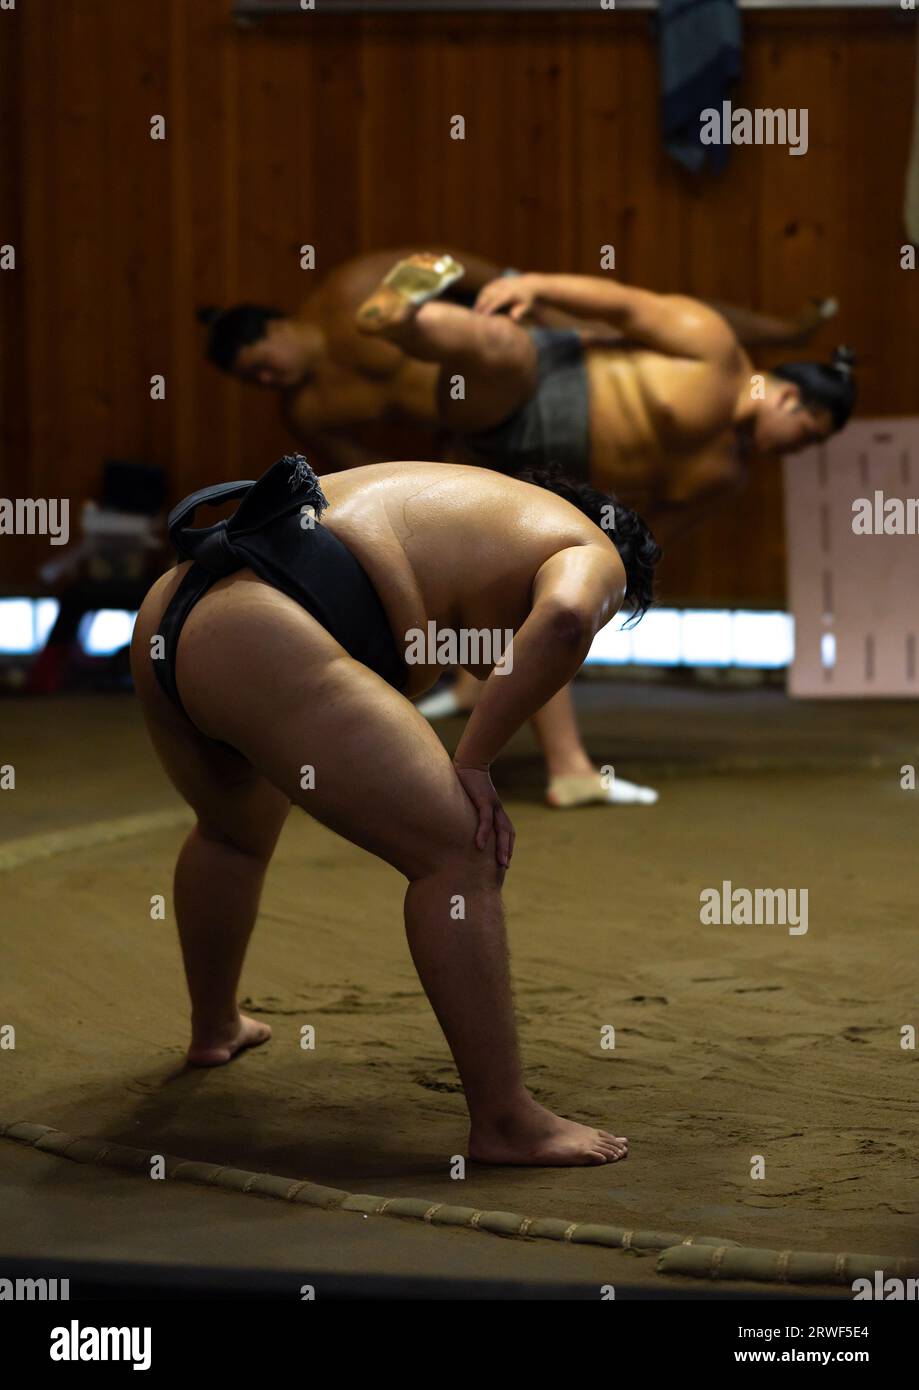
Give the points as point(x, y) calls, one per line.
point(668, 425)
point(662, 429)
point(459, 546)
point(345, 395)
point(663, 371)
point(673, 413)
point(355, 389)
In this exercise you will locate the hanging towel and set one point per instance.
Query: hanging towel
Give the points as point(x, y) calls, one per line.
point(700, 56)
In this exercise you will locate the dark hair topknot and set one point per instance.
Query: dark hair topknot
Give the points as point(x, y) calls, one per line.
point(825, 386)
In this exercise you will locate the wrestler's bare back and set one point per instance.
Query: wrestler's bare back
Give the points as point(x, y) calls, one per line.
point(456, 545)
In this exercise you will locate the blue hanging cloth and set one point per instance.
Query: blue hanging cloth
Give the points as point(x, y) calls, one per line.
point(700, 45)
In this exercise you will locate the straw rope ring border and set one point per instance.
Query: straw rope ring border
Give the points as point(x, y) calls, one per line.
point(702, 1256)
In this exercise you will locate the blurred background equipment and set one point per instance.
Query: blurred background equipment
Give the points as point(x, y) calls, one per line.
point(120, 552)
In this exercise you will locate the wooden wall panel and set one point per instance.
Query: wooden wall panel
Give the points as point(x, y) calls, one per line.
point(14, 441)
point(335, 131)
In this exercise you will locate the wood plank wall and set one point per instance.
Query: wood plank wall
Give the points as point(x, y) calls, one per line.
point(334, 132)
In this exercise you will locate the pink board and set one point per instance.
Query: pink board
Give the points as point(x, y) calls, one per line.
point(854, 598)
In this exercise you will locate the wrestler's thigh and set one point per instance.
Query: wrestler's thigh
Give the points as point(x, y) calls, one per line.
point(326, 731)
point(231, 800)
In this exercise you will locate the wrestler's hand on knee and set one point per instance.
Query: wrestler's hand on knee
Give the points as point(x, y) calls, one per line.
point(493, 819)
point(515, 295)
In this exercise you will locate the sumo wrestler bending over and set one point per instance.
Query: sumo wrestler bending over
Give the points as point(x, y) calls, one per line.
point(279, 641)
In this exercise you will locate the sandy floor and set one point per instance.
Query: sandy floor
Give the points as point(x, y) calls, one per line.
point(731, 1041)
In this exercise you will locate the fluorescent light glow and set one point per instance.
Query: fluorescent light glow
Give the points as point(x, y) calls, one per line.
point(708, 638)
point(763, 639)
point(665, 637)
point(109, 630)
point(699, 637)
point(656, 641)
point(17, 625)
point(612, 646)
point(46, 611)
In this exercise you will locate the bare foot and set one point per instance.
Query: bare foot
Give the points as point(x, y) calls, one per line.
point(408, 285)
point(214, 1049)
point(536, 1137)
point(814, 313)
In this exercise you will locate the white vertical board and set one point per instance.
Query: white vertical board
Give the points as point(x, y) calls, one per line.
point(855, 598)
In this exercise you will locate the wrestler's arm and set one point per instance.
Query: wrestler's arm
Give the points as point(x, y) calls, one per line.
point(669, 323)
point(575, 593)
